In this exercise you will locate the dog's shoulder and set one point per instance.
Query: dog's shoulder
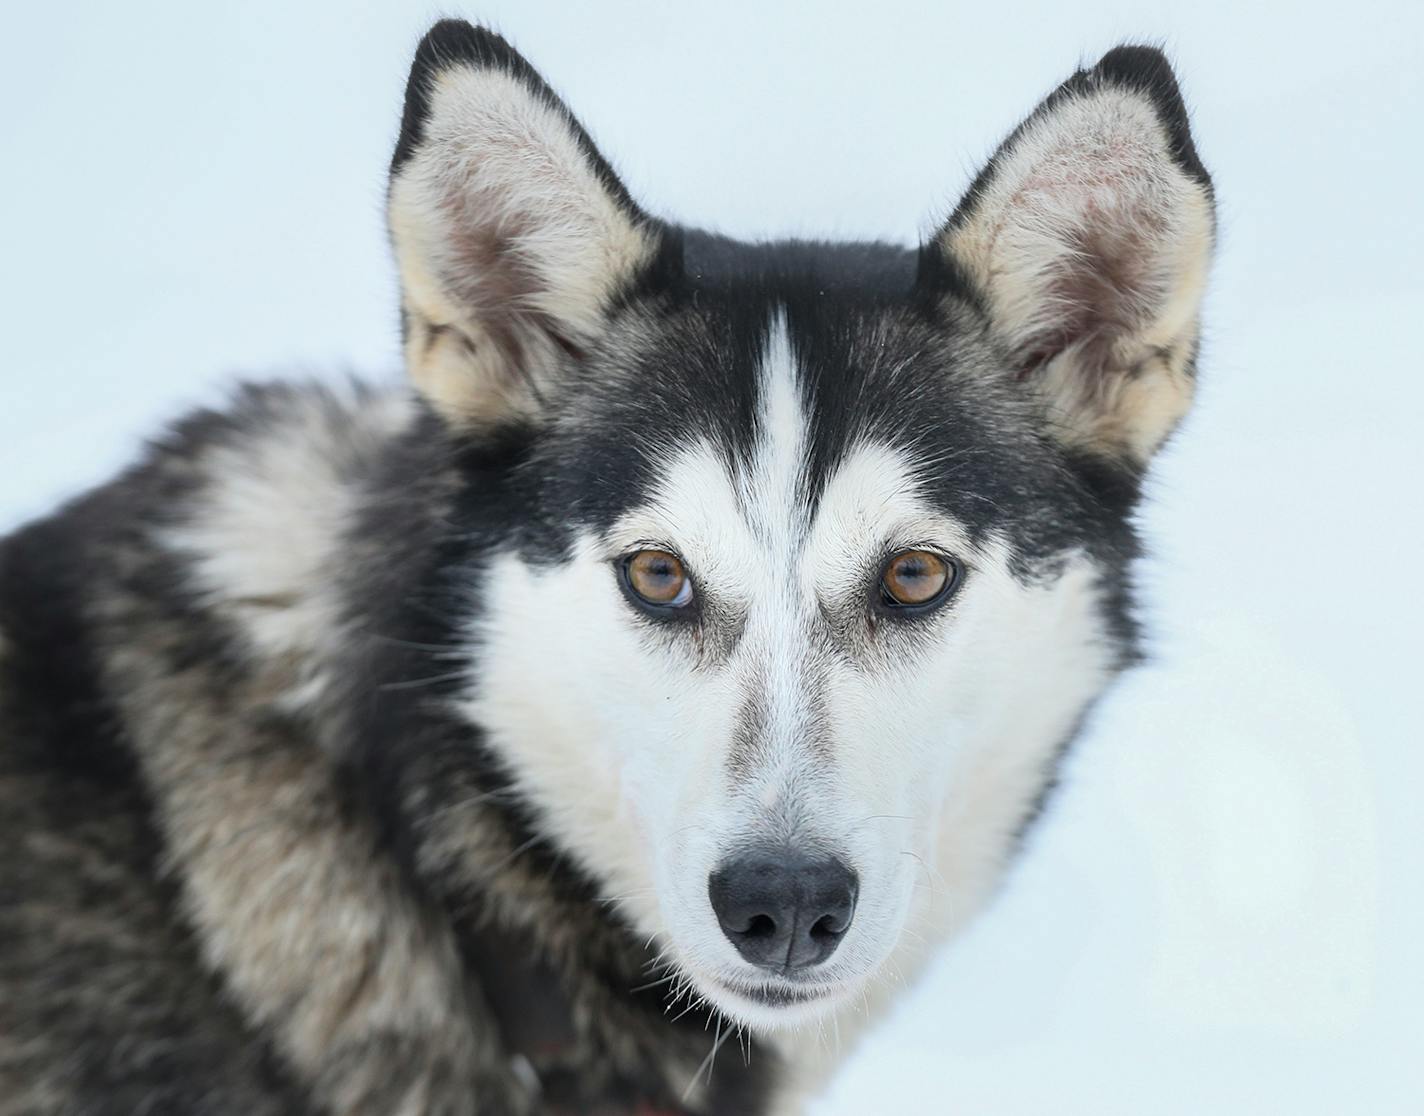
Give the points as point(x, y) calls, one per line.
point(172, 815)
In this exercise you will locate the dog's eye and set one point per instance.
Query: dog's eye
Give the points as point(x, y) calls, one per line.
point(915, 580)
point(658, 578)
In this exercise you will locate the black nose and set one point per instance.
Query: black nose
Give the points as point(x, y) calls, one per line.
point(781, 909)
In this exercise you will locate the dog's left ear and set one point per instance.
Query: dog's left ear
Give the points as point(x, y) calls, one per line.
point(1087, 238)
point(513, 235)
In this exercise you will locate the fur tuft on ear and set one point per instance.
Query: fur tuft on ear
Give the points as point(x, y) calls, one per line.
point(1088, 237)
point(512, 233)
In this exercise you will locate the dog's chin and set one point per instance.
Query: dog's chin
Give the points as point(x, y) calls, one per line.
point(774, 1004)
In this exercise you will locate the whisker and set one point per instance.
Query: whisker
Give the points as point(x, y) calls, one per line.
point(434, 648)
point(416, 683)
point(654, 983)
point(708, 1062)
point(691, 1005)
point(518, 850)
point(929, 876)
point(880, 817)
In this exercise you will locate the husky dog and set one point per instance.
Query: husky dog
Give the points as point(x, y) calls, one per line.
point(670, 669)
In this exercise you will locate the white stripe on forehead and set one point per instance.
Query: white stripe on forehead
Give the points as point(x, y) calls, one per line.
point(741, 528)
point(745, 530)
point(774, 658)
point(772, 491)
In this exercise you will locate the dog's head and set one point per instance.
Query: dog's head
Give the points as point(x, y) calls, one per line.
point(819, 553)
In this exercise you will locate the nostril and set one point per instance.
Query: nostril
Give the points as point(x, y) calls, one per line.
point(828, 927)
point(781, 909)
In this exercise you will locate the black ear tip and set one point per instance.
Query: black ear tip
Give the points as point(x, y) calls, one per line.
point(1145, 69)
point(1137, 64)
point(453, 41)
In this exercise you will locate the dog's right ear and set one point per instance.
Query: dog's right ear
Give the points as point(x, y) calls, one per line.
point(512, 234)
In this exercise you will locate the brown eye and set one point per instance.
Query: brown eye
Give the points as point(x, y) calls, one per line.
point(658, 578)
point(917, 579)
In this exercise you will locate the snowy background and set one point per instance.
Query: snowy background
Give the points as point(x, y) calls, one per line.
point(1223, 914)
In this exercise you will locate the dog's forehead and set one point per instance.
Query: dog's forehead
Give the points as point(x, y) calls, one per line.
point(761, 398)
point(780, 489)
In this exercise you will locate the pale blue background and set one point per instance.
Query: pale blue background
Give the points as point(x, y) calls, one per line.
point(1223, 913)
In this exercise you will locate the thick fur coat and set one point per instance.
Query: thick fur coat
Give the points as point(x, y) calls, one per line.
point(347, 767)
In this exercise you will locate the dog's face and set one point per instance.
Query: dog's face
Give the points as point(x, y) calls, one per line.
point(824, 549)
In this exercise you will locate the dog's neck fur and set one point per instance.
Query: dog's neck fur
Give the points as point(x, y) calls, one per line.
point(437, 940)
point(306, 639)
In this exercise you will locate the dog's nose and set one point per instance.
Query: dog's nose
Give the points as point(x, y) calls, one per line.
point(783, 910)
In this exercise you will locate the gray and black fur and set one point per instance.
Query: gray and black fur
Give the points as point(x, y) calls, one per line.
point(159, 780)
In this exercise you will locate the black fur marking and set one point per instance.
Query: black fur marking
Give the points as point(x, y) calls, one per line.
point(453, 42)
point(1142, 69)
point(892, 347)
point(876, 364)
point(412, 759)
point(101, 975)
point(1147, 70)
point(61, 702)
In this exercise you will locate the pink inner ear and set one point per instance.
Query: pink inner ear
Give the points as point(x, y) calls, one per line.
point(487, 271)
point(1100, 287)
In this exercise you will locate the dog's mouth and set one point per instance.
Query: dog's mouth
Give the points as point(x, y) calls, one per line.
point(780, 993)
